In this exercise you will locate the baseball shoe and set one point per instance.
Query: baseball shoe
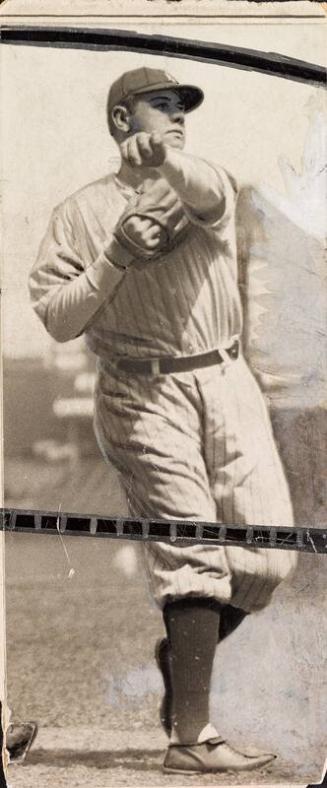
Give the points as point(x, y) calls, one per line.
point(163, 658)
point(19, 739)
point(214, 755)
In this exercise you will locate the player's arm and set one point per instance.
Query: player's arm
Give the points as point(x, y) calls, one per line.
point(205, 190)
point(66, 294)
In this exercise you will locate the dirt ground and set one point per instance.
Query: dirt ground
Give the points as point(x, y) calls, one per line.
point(81, 629)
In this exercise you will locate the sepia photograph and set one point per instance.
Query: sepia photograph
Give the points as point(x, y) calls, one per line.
point(164, 357)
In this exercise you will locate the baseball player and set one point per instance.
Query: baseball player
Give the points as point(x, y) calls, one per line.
point(144, 263)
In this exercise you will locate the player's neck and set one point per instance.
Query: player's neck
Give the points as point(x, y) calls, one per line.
point(134, 176)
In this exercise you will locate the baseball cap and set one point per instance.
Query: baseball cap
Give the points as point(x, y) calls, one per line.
point(144, 80)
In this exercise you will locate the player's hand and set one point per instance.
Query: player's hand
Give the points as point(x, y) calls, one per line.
point(144, 150)
point(144, 233)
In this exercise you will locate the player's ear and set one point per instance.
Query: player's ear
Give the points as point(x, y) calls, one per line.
point(121, 118)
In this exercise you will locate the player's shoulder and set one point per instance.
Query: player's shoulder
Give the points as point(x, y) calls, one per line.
point(90, 196)
point(225, 173)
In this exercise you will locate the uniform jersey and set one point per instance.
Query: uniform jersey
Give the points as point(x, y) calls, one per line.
point(196, 445)
point(187, 302)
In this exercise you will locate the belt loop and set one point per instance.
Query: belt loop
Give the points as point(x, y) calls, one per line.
point(155, 366)
point(224, 352)
point(226, 358)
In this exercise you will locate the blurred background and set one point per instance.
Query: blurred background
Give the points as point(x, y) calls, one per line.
point(80, 623)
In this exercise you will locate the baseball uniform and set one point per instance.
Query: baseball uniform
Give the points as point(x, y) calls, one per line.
point(195, 445)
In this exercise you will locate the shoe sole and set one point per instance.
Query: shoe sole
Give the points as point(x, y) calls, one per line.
point(171, 770)
point(167, 770)
point(205, 771)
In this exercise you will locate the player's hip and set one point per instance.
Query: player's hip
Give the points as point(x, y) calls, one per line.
point(142, 380)
point(218, 410)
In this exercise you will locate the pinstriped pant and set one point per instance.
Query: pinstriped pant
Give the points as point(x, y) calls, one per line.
point(199, 446)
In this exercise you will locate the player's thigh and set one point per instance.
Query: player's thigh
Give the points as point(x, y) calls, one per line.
point(247, 478)
point(166, 480)
point(249, 486)
point(153, 437)
point(164, 474)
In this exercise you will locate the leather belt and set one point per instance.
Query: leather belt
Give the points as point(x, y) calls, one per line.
point(169, 364)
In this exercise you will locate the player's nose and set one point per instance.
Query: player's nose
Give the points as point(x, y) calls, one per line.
point(177, 116)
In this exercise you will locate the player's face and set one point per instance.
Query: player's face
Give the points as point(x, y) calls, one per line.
point(161, 111)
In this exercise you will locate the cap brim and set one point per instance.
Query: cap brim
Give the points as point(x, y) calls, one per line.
point(191, 96)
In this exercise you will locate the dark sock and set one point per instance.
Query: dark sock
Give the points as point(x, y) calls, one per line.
point(231, 618)
point(192, 626)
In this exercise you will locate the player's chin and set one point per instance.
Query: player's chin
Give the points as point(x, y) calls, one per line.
point(175, 139)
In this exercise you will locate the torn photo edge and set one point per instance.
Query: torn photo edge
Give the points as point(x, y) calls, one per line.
point(289, 68)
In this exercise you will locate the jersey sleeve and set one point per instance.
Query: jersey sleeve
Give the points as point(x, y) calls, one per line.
point(65, 292)
point(227, 192)
point(206, 190)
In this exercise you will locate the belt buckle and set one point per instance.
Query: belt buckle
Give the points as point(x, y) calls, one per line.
point(230, 354)
point(155, 366)
point(233, 351)
point(225, 356)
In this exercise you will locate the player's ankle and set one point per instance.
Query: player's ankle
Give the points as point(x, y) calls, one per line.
point(186, 735)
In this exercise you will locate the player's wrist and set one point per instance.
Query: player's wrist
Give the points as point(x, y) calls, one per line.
point(159, 150)
point(172, 168)
point(172, 159)
point(117, 254)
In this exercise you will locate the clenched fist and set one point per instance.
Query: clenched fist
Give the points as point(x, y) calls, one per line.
point(144, 150)
point(152, 224)
point(144, 233)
